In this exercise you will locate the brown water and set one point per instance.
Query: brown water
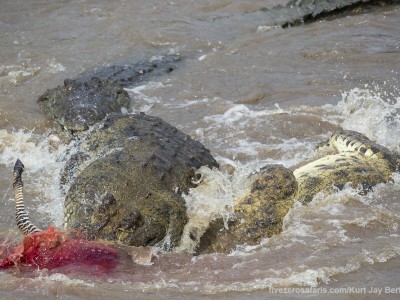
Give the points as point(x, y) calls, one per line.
point(253, 95)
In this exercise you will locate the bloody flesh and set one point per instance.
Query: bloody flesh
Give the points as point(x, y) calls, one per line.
point(55, 249)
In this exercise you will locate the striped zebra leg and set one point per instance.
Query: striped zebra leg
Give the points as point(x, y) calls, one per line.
point(22, 218)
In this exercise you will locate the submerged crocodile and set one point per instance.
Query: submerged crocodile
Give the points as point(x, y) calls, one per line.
point(139, 205)
point(92, 95)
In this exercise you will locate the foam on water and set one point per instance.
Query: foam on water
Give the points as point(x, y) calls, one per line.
point(213, 198)
point(17, 74)
point(62, 278)
point(143, 102)
point(42, 169)
point(25, 69)
point(240, 115)
point(240, 132)
point(54, 66)
point(373, 112)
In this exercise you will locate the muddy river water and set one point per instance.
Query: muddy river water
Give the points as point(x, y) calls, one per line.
point(253, 94)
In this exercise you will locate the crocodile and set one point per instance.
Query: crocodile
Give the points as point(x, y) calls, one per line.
point(128, 182)
point(350, 158)
point(87, 99)
point(127, 179)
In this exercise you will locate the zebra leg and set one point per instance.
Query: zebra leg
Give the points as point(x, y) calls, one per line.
point(22, 218)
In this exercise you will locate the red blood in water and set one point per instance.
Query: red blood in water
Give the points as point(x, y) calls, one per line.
point(54, 249)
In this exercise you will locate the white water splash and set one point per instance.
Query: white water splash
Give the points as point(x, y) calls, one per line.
point(42, 168)
point(374, 113)
point(213, 197)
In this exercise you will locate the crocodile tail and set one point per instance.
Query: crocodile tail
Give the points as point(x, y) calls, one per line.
point(23, 222)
